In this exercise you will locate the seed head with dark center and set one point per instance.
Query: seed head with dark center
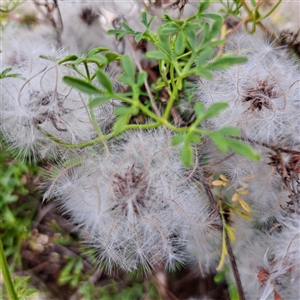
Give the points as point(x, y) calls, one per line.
point(261, 95)
point(49, 107)
point(88, 16)
point(130, 191)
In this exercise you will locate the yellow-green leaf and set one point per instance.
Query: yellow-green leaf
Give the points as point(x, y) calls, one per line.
point(243, 214)
point(235, 197)
point(230, 232)
point(218, 183)
point(223, 255)
point(244, 205)
point(242, 192)
point(224, 178)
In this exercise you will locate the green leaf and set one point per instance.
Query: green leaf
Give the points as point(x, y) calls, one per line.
point(226, 62)
point(233, 131)
point(104, 80)
point(81, 85)
point(47, 57)
point(144, 19)
point(186, 154)
point(220, 276)
point(150, 21)
point(213, 44)
point(179, 43)
point(164, 45)
point(190, 26)
point(193, 138)
point(215, 29)
point(203, 56)
point(157, 55)
point(98, 59)
point(214, 17)
point(5, 71)
point(204, 73)
point(178, 139)
point(219, 141)
point(112, 56)
point(215, 109)
point(168, 30)
point(71, 57)
point(121, 111)
point(205, 35)
point(204, 4)
point(133, 111)
point(142, 76)
point(243, 149)
point(96, 50)
point(125, 79)
point(99, 100)
point(199, 108)
point(126, 26)
point(128, 67)
point(120, 124)
point(138, 37)
point(120, 33)
point(191, 38)
point(233, 291)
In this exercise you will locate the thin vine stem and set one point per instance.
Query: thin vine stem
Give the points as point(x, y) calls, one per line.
point(232, 260)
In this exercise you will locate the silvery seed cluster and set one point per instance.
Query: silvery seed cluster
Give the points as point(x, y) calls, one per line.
point(131, 197)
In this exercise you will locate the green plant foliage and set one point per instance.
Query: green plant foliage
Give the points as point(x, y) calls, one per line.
point(184, 48)
point(15, 218)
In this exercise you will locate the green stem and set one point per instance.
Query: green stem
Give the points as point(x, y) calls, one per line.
point(94, 122)
point(141, 126)
point(87, 71)
point(270, 12)
point(6, 275)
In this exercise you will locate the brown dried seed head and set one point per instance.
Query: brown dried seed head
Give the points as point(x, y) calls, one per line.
point(129, 190)
point(261, 95)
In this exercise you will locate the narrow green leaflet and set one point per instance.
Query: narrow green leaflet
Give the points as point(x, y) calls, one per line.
point(128, 67)
point(204, 4)
point(138, 37)
point(104, 80)
point(219, 141)
point(126, 26)
point(203, 73)
point(178, 139)
point(193, 138)
point(179, 43)
point(144, 19)
point(203, 56)
point(112, 56)
point(96, 50)
point(164, 45)
point(212, 16)
point(186, 154)
point(125, 79)
point(243, 149)
point(191, 38)
point(142, 76)
point(215, 109)
point(157, 55)
point(71, 57)
point(100, 60)
point(226, 62)
point(99, 100)
point(233, 131)
point(215, 29)
point(81, 85)
point(199, 108)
